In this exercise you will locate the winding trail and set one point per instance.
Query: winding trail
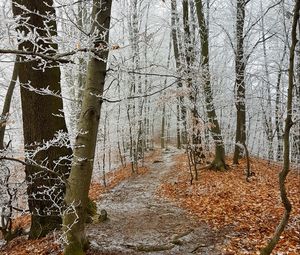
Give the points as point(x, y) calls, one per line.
point(140, 222)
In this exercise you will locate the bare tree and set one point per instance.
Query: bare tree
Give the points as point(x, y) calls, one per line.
point(219, 159)
point(240, 89)
point(181, 108)
point(85, 144)
point(7, 102)
point(286, 156)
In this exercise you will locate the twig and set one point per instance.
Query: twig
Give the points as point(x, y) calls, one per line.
point(52, 57)
point(28, 164)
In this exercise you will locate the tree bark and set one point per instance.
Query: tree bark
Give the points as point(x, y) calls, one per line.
point(40, 111)
point(181, 108)
point(296, 131)
point(85, 144)
point(240, 90)
point(268, 111)
point(278, 111)
point(196, 140)
point(163, 136)
point(7, 102)
point(219, 159)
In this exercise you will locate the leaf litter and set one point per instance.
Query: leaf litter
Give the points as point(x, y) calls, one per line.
point(224, 214)
point(252, 209)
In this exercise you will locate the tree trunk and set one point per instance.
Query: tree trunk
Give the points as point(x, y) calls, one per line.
point(181, 108)
point(7, 102)
point(85, 144)
point(81, 21)
point(41, 122)
point(163, 127)
point(296, 132)
point(120, 134)
point(135, 80)
point(219, 160)
point(268, 111)
point(278, 111)
point(286, 156)
point(240, 65)
point(163, 135)
point(193, 89)
point(147, 85)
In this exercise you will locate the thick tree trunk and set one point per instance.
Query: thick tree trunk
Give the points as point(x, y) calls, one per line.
point(41, 122)
point(267, 250)
point(219, 160)
point(7, 102)
point(85, 144)
point(240, 90)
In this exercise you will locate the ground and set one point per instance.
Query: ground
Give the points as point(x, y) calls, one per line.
point(141, 221)
point(251, 208)
point(157, 211)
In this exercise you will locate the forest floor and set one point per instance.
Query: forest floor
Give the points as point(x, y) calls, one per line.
point(158, 212)
point(251, 208)
point(141, 221)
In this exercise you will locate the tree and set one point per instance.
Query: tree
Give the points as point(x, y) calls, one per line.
point(240, 89)
point(7, 102)
point(45, 133)
point(75, 77)
point(278, 111)
point(219, 159)
point(135, 109)
point(85, 143)
point(267, 113)
point(296, 105)
point(286, 154)
point(193, 88)
point(181, 108)
point(163, 136)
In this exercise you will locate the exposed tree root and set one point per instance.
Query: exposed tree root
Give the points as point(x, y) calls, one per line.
point(150, 248)
point(218, 165)
point(198, 247)
point(176, 238)
point(204, 167)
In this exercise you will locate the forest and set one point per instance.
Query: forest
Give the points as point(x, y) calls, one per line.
point(149, 127)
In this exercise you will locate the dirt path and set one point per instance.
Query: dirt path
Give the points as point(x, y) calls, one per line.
point(140, 222)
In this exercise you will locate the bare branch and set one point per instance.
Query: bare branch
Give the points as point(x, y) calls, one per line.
point(55, 57)
point(257, 43)
point(258, 20)
point(27, 164)
point(139, 96)
point(14, 159)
